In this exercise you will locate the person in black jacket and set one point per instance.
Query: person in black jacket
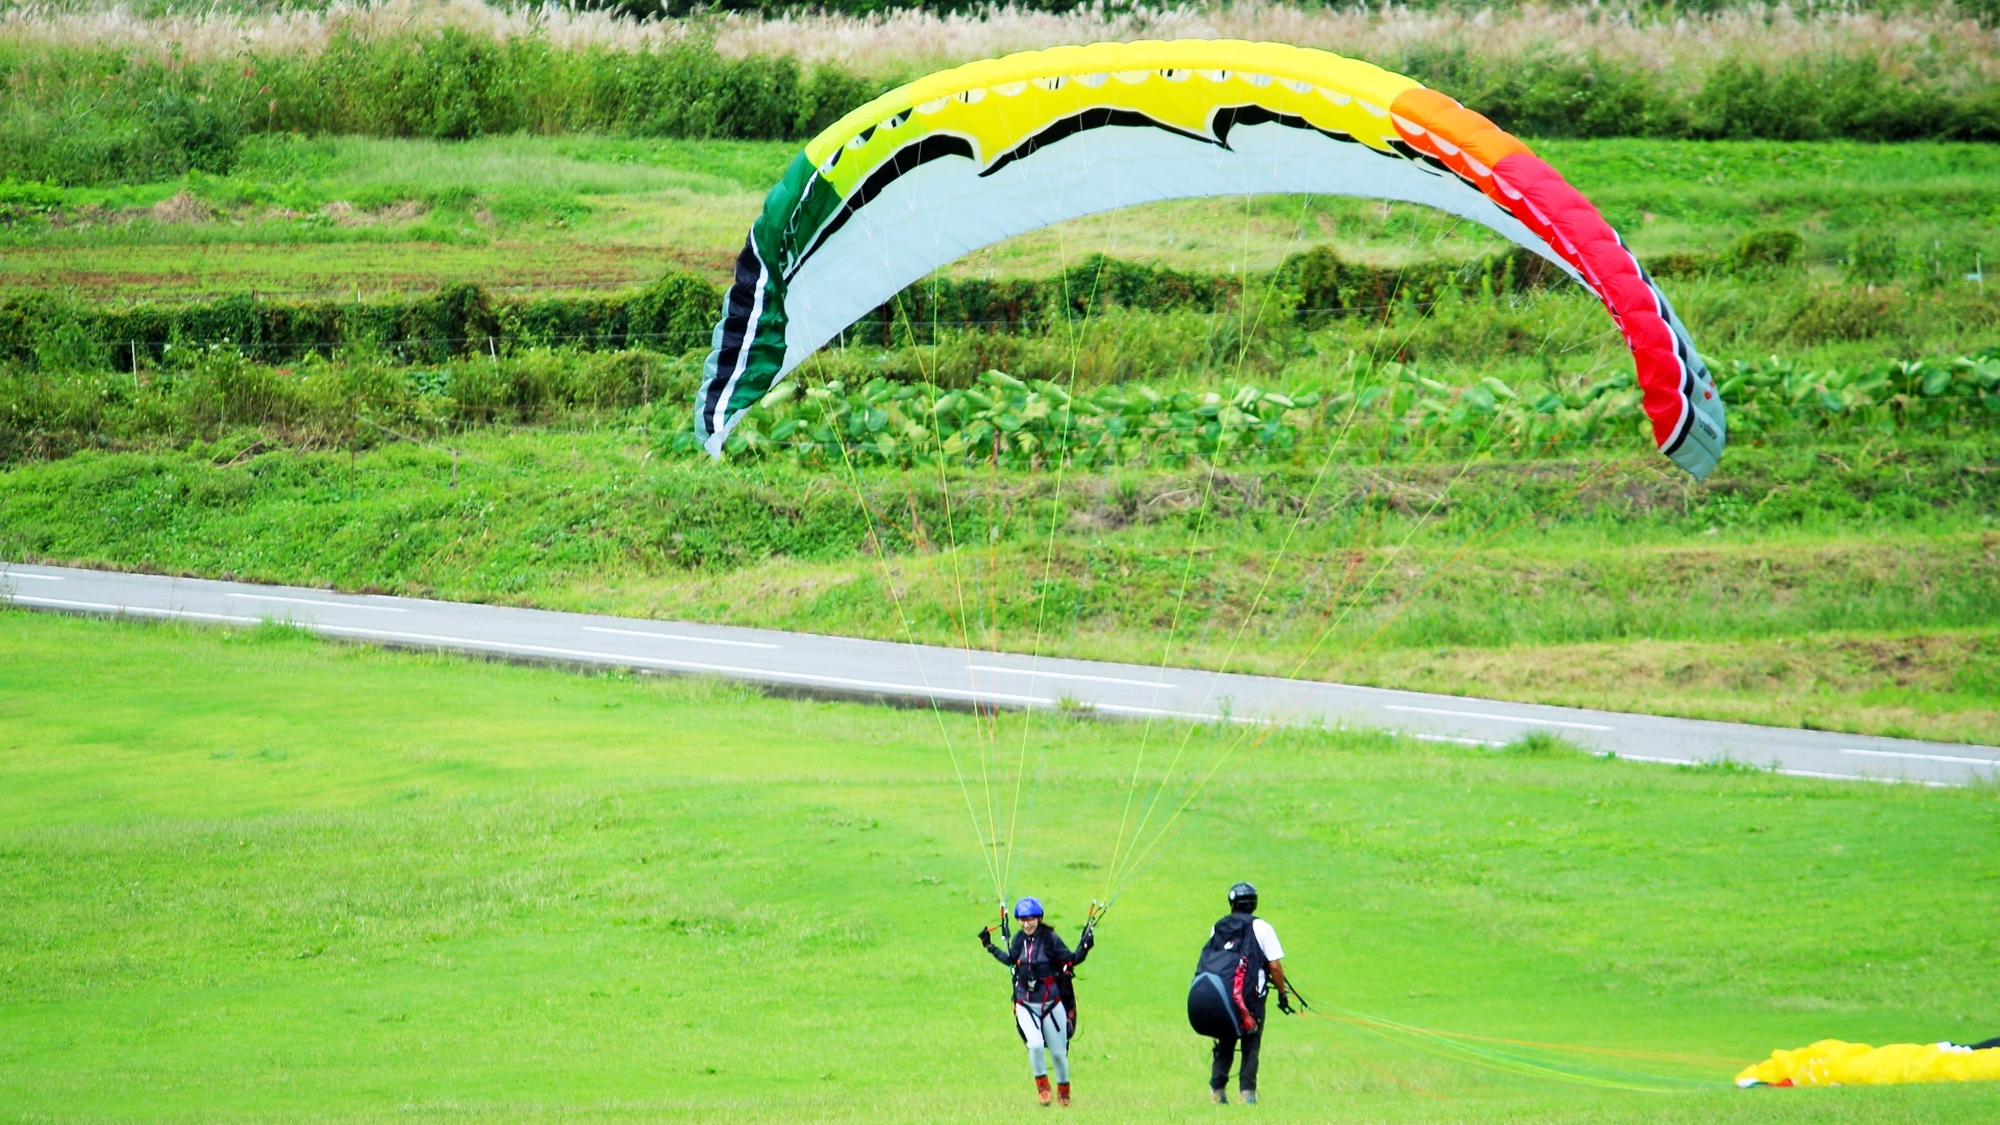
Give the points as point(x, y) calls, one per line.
point(1263, 963)
point(1044, 997)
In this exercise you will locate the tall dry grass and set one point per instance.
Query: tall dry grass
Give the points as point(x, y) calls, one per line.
point(219, 31)
point(1947, 49)
point(1939, 42)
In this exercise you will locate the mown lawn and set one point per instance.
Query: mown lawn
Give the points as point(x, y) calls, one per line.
point(249, 876)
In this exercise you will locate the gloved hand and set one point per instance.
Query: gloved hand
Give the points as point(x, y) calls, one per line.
point(1285, 1003)
point(986, 937)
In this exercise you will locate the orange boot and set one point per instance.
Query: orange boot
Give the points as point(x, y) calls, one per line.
point(1062, 1093)
point(1042, 1089)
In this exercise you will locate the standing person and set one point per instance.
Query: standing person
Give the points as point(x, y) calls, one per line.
point(1226, 1002)
point(1043, 1014)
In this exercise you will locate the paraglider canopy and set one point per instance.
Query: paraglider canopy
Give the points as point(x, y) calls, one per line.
point(969, 156)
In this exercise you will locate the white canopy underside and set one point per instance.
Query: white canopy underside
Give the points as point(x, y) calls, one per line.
point(943, 210)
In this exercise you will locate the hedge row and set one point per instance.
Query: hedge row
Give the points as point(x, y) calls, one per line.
point(671, 315)
point(81, 116)
point(1313, 285)
point(222, 397)
point(677, 313)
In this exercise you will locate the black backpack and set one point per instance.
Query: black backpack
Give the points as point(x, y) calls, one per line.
point(1226, 1000)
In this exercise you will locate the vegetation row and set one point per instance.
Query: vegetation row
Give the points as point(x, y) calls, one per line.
point(78, 115)
point(49, 333)
point(1012, 423)
point(678, 311)
point(1392, 408)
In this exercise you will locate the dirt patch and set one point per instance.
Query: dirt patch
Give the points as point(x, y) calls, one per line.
point(408, 210)
point(345, 214)
point(181, 207)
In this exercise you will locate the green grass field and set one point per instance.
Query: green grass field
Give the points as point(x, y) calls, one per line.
point(249, 876)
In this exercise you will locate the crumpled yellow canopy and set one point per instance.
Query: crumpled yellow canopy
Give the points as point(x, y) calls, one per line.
point(1832, 1062)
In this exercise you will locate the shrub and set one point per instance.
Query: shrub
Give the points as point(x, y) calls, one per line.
point(1766, 249)
point(1872, 256)
point(1757, 252)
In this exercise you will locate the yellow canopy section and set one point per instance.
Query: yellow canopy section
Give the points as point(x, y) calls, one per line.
point(1832, 1062)
point(996, 103)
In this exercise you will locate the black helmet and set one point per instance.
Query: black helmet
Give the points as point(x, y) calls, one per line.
point(1243, 897)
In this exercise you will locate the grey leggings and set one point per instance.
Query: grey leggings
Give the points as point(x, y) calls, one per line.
point(1047, 1033)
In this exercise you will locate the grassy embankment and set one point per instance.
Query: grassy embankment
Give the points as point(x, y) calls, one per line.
point(1851, 586)
point(254, 877)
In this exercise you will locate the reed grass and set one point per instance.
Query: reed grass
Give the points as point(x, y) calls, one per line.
point(1947, 42)
point(107, 96)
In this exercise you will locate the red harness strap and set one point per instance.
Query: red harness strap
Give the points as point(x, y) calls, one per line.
point(1236, 994)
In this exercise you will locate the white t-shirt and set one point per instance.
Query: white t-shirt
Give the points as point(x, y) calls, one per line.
point(1267, 940)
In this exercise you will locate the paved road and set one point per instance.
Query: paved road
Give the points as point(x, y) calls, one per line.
point(901, 673)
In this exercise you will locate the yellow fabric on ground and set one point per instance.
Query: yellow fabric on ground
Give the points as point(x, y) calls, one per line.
point(1831, 1062)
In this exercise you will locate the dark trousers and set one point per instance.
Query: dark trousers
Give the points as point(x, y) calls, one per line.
point(1225, 1053)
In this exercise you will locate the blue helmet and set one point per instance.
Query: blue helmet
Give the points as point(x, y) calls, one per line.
point(1028, 908)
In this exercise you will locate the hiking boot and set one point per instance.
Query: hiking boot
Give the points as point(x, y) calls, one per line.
point(1219, 1097)
point(1062, 1093)
point(1249, 1096)
point(1042, 1090)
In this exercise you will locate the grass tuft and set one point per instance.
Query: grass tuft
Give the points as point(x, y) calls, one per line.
point(276, 631)
point(1543, 744)
point(1726, 766)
